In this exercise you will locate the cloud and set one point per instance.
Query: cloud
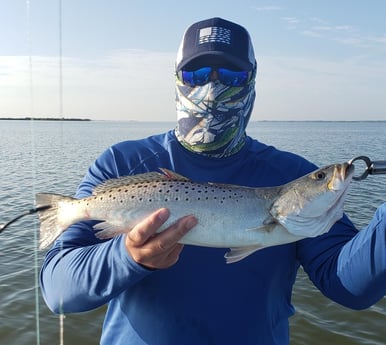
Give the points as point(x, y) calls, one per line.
point(127, 84)
point(320, 89)
point(12, 68)
point(344, 28)
point(344, 34)
point(291, 20)
point(310, 33)
point(139, 85)
point(378, 39)
point(318, 20)
point(267, 8)
point(327, 31)
point(351, 41)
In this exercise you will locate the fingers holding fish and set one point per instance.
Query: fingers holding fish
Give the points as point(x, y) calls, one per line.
point(158, 250)
point(148, 227)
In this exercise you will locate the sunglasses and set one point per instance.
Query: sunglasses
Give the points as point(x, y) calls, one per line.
point(202, 76)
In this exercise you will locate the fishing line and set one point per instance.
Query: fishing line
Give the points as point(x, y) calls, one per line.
point(61, 312)
point(33, 164)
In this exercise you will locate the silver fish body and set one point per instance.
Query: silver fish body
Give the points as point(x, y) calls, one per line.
point(241, 218)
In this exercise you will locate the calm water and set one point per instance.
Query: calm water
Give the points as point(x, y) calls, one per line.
point(53, 156)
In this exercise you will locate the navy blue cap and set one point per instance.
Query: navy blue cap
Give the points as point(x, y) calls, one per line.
point(216, 39)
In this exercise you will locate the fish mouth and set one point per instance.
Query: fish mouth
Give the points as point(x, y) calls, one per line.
point(348, 170)
point(341, 177)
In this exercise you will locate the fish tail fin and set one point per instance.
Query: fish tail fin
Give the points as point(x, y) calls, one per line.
point(51, 222)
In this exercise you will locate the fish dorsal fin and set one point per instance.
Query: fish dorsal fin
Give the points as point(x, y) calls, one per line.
point(171, 175)
point(153, 176)
point(229, 185)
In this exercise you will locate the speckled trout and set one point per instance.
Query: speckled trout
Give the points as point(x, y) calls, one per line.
point(243, 219)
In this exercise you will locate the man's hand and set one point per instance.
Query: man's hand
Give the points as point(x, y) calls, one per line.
point(161, 250)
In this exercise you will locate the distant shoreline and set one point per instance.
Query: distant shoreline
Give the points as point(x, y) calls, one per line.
point(252, 121)
point(27, 118)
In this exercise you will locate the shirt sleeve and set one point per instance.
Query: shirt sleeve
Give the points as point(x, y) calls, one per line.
point(361, 263)
point(347, 265)
point(98, 270)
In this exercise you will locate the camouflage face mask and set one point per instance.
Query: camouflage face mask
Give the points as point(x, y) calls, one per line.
point(212, 118)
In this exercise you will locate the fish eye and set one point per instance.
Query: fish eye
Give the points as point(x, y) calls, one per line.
point(320, 175)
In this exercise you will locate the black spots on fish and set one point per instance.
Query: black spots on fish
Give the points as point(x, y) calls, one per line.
point(170, 191)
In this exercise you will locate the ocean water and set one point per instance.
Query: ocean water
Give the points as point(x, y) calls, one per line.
point(38, 156)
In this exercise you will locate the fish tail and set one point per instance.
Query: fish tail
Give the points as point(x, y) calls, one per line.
point(51, 222)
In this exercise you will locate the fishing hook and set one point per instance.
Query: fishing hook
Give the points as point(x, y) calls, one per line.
point(372, 167)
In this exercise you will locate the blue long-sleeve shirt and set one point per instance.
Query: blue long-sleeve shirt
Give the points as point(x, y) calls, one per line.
point(201, 299)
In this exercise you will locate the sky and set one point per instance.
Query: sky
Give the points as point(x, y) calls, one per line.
point(114, 59)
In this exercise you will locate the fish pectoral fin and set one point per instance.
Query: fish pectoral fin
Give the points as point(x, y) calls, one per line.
point(268, 225)
point(237, 254)
point(307, 227)
point(106, 230)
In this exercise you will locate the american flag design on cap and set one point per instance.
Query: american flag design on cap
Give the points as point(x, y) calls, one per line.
point(214, 34)
point(216, 40)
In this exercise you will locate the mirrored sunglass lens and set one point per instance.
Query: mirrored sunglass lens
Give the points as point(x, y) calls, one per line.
point(197, 77)
point(233, 78)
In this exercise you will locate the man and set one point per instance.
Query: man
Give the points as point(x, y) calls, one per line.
point(161, 293)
